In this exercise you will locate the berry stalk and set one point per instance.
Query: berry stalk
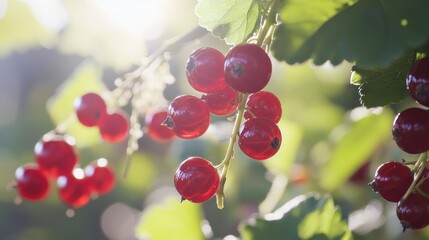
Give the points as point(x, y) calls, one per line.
point(421, 163)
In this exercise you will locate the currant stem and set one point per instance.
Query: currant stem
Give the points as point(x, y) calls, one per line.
point(421, 162)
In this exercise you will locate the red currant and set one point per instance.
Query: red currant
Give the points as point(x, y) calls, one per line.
point(418, 81)
point(188, 116)
point(31, 182)
point(196, 180)
point(114, 127)
point(223, 102)
point(259, 138)
point(56, 155)
point(413, 211)
point(204, 70)
point(392, 180)
point(74, 189)
point(90, 109)
point(156, 130)
point(411, 130)
point(263, 104)
point(101, 176)
point(247, 68)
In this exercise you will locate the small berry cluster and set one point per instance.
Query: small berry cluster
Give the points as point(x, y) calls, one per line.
point(395, 181)
point(227, 83)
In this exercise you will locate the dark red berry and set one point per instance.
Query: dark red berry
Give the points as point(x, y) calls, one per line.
point(188, 117)
point(411, 130)
point(263, 104)
point(56, 155)
point(196, 180)
point(156, 130)
point(204, 70)
point(418, 81)
point(223, 102)
point(31, 182)
point(361, 175)
point(413, 211)
point(114, 127)
point(392, 180)
point(259, 138)
point(247, 68)
point(74, 189)
point(90, 109)
point(101, 176)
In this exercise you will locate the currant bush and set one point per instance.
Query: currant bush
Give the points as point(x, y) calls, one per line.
point(412, 212)
point(90, 109)
point(156, 130)
point(101, 176)
point(114, 127)
point(223, 102)
point(31, 182)
point(74, 189)
point(263, 104)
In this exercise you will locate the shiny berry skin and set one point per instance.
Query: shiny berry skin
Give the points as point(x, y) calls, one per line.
point(31, 182)
point(156, 130)
point(265, 105)
point(411, 130)
point(418, 81)
point(259, 138)
point(114, 128)
point(196, 180)
point(204, 70)
point(101, 176)
point(90, 109)
point(74, 189)
point(188, 117)
point(392, 180)
point(413, 211)
point(56, 155)
point(223, 102)
point(247, 68)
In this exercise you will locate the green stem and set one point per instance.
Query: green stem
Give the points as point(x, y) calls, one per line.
point(421, 162)
point(268, 24)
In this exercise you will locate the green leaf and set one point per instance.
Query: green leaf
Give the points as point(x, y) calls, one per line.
point(369, 32)
point(355, 148)
point(86, 78)
point(383, 86)
point(309, 216)
point(171, 218)
point(232, 20)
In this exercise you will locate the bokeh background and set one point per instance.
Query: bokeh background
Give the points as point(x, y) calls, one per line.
point(330, 143)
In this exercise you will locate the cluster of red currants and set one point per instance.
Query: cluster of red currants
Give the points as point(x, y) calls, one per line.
point(227, 83)
point(395, 181)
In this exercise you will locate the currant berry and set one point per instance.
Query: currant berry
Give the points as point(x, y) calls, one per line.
point(247, 68)
point(418, 81)
point(263, 104)
point(156, 130)
point(223, 102)
point(204, 70)
point(188, 117)
point(101, 176)
point(31, 182)
point(56, 155)
point(392, 180)
point(114, 128)
point(90, 109)
point(259, 138)
point(196, 180)
point(413, 211)
point(74, 189)
point(411, 130)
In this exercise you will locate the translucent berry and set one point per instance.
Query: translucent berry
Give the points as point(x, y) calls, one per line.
point(223, 102)
point(31, 182)
point(259, 138)
point(247, 68)
point(418, 81)
point(392, 180)
point(114, 127)
point(56, 155)
point(90, 109)
point(74, 189)
point(411, 130)
point(413, 211)
point(188, 117)
point(204, 70)
point(101, 176)
point(263, 104)
point(196, 180)
point(156, 130)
